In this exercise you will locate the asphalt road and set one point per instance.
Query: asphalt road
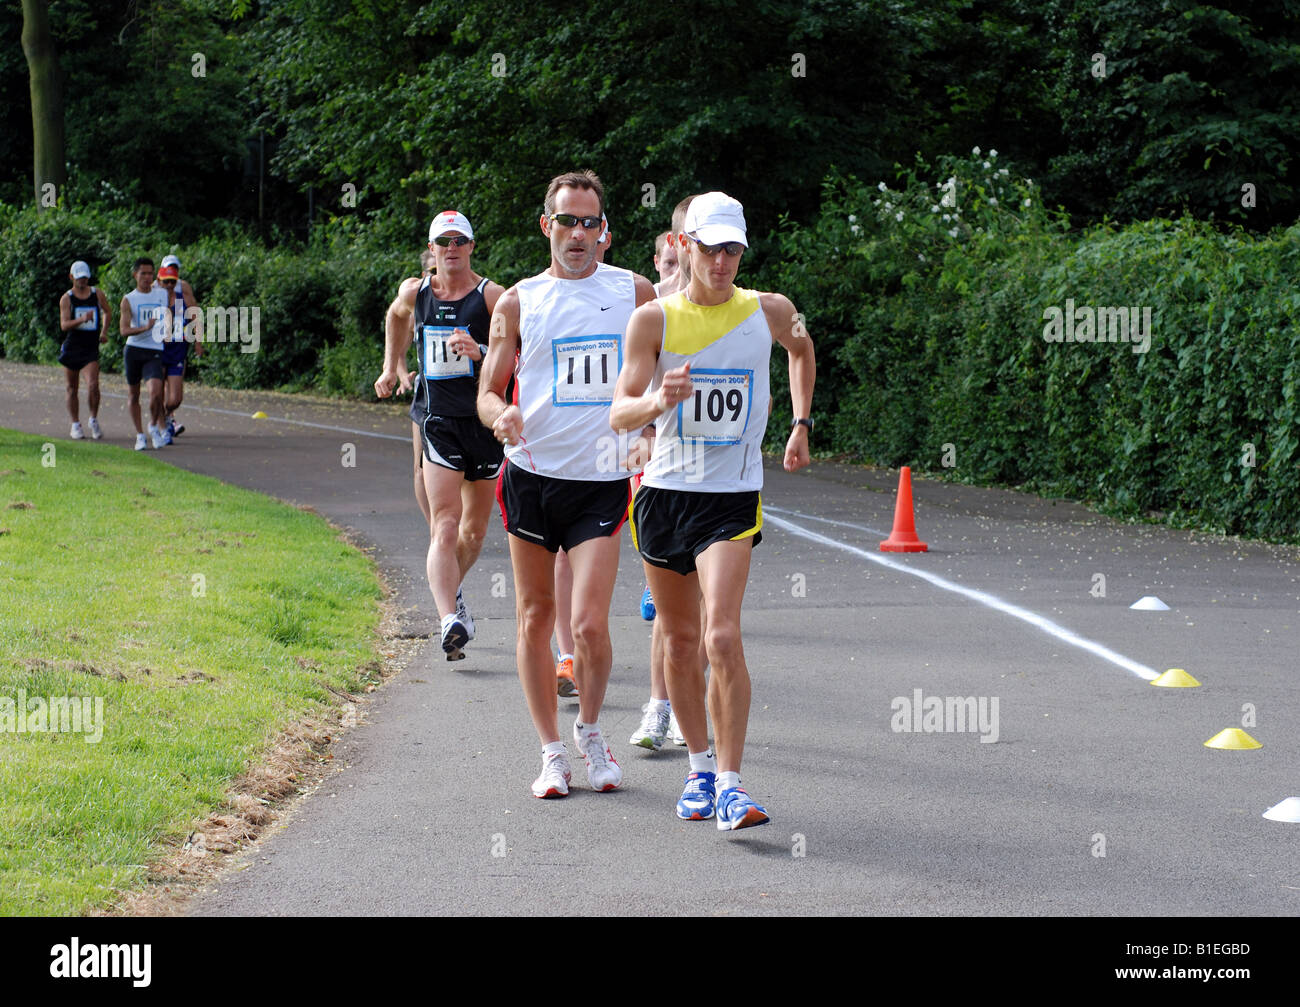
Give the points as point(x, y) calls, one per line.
point(1096, 798)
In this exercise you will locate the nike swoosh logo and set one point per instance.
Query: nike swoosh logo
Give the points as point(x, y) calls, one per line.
point(606, 309)
point(604, 524)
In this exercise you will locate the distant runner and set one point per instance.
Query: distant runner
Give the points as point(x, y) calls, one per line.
point(84, 315)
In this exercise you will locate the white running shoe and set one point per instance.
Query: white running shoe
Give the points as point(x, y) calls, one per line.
point(603, 773)
point(462, 613)
point(77, 435)
point(653, 730)
point(675, 732)
point(554, 781)
point(159, 441)
point(95, 432)
point(140, 443)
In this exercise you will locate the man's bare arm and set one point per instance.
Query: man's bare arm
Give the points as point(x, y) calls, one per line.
point(788, 330)
point(634, 407)
point(505, 420)
point(397, 339)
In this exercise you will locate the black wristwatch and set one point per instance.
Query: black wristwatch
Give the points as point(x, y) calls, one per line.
point(803, 423)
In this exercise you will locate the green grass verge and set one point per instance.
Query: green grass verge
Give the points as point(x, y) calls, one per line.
point(204, 616)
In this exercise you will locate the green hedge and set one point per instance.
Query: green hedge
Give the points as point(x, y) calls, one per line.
point(932, 350)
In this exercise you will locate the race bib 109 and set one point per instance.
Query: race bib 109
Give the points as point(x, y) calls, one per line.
point(718, 410)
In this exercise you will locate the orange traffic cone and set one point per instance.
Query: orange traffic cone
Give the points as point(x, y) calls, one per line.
point(903, 537)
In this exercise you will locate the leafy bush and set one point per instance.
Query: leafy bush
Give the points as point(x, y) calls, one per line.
point(928, 303)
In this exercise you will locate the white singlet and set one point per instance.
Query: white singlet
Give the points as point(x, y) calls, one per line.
point(713, 441)
point(570, 351)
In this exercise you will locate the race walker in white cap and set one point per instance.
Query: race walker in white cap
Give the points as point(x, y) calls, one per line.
point(696, 364)
point(84, 314)
point(451, 311)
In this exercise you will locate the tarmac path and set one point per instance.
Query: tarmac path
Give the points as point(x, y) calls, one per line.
point(1096, 798)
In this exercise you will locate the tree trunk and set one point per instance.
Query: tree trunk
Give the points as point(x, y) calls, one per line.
point(47, 103)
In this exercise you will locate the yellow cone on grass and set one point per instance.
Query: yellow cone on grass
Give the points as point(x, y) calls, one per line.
point(259, 415)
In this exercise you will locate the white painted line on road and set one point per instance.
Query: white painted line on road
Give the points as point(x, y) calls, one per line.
point(768, 509)
point(983, 597)
point(280, 419)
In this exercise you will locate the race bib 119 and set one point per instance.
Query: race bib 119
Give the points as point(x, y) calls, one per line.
point(439, 361)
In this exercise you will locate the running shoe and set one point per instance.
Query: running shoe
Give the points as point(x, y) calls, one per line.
point(95, 432)
point(697, 800)
point(178, 429)
point(172, 430)
point(653, 730)
point(564, 683)
point(647, 606)
point(454, 637)
point(675, 732)
point(140, 443)
point(462, 613)
point(737, 810)
point(156, 436)
point(554, 781)
point(603, 773)
point(76, 434)
point(167, 436)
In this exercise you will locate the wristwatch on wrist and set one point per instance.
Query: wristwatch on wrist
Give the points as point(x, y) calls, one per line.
point(803, 423)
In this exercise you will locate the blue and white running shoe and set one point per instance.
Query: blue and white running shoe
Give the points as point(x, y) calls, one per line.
point(737, 810)
point(647, 606)
point(696, 802)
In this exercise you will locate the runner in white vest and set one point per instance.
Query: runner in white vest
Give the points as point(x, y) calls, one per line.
point(145, 321)
point(697, 365)
point(563, 484)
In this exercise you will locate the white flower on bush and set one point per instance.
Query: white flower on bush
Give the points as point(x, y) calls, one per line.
point(950, 192)
point(993, 153)
point(947, 217)
point(853, 218)
point(934, 208)
point(953, 232)
point(856, 228)
point(920, 257)
point(1003, 171)
point(987, 166)
point(1029, 183)
point(882, 187)
point(899, 216)
point(975, 151)
point(1028, 203)
point(992, 201)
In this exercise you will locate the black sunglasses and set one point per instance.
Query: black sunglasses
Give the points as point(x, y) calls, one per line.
point(451, 239)
point(569, 220)
point(730, 247)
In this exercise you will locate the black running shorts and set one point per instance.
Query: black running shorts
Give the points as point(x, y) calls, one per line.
point(464, 444)
point(560, 513)
point(670, 528)
point(139, 363)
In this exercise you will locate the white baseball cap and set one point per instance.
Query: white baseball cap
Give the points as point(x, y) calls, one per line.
point(171, 260)
point(80, 270)
point(715, 218)
point(450, 220)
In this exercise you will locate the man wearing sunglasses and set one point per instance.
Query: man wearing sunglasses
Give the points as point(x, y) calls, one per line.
point(451, 310)
point(703, 356)
point(559, 489)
